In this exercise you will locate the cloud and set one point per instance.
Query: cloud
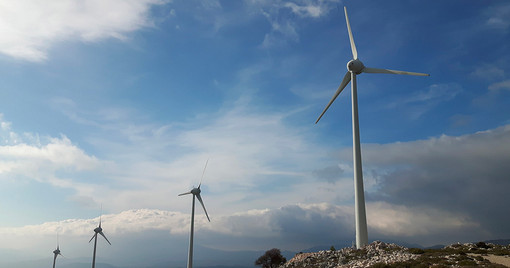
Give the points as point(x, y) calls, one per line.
point(253, 153)
point(291, 227)
point(38, 158)
point(310, 9)
point(329, 174)
point(489, 72)
point(30, 28)
point(423, 101)
point(464, 175)
point(498, 16)
point(284, 26)
point(500, 85)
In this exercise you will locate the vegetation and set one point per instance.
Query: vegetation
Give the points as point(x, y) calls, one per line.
point(456, 255)
point(271, 259)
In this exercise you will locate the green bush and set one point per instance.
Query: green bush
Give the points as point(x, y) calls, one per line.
point(416, 251)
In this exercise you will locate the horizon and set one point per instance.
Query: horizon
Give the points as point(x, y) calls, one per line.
point(122, 103)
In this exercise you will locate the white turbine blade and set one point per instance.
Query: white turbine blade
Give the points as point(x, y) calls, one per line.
point(386, 71)
point(100, 215)
point(101, 233)
point(203, 172)
point(353, 46)
point(201, 202)
point(93, 237)
point(344, 83)
point(185, 193)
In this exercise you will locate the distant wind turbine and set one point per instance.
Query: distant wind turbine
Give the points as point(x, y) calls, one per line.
point(355, 67)
point(98, 230)
point(196, 193)
point(56, 252)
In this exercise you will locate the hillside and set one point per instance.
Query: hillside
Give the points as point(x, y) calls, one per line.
point(379, 254)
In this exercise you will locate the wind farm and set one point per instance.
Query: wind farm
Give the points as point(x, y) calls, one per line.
point(121, 103)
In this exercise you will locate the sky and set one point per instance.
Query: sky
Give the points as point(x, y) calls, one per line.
point(119, 104)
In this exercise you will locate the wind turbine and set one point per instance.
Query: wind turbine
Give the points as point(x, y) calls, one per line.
point(354, 68)
point(56, 252)
point(98, 230)
point(196, 193)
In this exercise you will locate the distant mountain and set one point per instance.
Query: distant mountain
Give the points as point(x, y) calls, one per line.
point(503, 242)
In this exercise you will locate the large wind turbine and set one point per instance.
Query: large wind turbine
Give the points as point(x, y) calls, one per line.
point(196, 193)
point(56, 252)
point(356, 67)
point(98, 230)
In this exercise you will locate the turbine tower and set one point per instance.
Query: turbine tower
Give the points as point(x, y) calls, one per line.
point(98, 230)
point(196, 193)
point(56, 252)
point(354, 68)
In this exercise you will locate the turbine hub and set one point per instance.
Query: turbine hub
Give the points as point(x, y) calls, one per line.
point(98, 230)
point(355, 66)
point(195, 191)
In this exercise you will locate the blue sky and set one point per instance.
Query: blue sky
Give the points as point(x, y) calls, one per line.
point(121, 103)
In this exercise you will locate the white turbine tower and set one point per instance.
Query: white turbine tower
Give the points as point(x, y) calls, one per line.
point(356, 67)
point(196, 193)
point(56, 252)
point(98, 230)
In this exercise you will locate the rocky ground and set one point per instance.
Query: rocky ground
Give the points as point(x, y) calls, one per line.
point(379, 254)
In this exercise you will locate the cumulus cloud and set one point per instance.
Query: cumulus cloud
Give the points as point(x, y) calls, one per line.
point(30, 156)
point(464, 175)
point(30, 28)
point(291, 227)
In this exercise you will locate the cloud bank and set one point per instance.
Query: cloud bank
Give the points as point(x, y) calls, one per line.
point(30, 28)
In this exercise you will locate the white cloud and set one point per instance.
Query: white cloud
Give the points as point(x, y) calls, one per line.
point(30, 27)
point(500, 85)
point(489, 72)
point(311, 9)
point(402, 221)
point(27, 155)
point(284, 28)
point(423, 101)
point(498, 16)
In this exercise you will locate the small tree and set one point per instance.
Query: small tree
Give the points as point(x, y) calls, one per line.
point(271, 259)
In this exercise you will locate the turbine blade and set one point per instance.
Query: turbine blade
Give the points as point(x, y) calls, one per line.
point(100, 215)
point(353, 46)
point(93, 237)
point(386, 71)
point(185, 193)
point(202, 203)
point(345, 81)
point(101, 233)
point(203, 172)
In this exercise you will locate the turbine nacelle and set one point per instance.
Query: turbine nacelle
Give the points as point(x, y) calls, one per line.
point(98, 230)
point(355, 66)
point(196, 191)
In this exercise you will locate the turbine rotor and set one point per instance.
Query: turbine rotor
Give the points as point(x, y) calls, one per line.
point(355, 66)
